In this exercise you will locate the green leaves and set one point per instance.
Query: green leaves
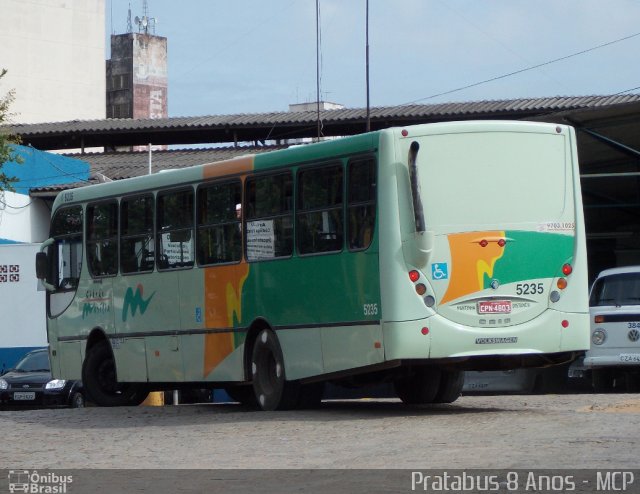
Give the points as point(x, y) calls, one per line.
point(7, 139)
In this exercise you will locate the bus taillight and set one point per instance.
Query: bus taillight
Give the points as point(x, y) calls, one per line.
point(414, 275)
point(567, 269)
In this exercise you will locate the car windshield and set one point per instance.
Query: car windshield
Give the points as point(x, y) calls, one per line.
point(34, 362)
point(616, 289)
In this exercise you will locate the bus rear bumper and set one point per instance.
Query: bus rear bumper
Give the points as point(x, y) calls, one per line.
point(540, 342)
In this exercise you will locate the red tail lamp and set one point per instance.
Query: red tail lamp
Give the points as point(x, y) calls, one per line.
point(565, 323)
point(567, 269)
point(414, 275)
point(425, 331)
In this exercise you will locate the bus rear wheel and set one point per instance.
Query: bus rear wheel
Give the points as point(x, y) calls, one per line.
point(420, 387)
point(99, 380)
point(450, 388)
point(270, 385)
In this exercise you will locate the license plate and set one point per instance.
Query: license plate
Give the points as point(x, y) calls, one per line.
point(494, 307)
point(630, 357)
point(24, 395)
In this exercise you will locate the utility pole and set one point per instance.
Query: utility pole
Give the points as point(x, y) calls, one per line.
point(367, 64)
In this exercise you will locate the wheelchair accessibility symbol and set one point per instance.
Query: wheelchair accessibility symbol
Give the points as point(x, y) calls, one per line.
point(440, 271)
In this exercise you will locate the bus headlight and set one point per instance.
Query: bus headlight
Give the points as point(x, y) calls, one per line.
point(56, 384)
point(599, 336)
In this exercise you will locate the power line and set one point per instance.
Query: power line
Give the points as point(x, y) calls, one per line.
point(526, 69)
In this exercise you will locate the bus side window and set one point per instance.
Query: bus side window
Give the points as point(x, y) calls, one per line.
point(269, 217)
point(136, 234)
point(175, 229)
point(102, 238)
point(362, 203)
point(320, 212)
point(219, 231)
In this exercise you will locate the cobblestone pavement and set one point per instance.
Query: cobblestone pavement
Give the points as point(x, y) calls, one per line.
point(544, 431)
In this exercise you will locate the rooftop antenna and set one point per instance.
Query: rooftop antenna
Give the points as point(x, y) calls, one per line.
point(129, 25)
point(144, 22)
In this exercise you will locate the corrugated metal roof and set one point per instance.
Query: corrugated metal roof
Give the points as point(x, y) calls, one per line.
point(495, 108)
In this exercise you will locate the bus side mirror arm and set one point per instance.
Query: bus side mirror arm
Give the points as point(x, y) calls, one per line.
point(42, 265)
point(423, 242)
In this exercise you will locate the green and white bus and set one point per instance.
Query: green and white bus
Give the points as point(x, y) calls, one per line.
point(402, 255)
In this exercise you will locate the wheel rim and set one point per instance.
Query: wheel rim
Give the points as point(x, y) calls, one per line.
point(79, 401)
point(268, 372)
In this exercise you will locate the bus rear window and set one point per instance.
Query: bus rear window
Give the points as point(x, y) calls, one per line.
point(492, 178)
point(617, 289)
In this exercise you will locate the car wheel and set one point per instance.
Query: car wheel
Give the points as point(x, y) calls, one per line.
point(77, 400)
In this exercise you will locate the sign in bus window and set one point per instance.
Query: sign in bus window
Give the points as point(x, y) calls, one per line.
point(269, 225)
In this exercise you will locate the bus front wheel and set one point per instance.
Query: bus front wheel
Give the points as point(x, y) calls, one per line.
point(99, 380)
point(420, 387)
point(270, 385)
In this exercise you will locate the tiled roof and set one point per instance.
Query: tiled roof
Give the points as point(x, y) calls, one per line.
point(116, 166)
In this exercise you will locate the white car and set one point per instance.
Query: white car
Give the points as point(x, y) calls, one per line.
point(614, 307)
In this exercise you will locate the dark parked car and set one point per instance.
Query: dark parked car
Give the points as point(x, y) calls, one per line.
point(30, 384)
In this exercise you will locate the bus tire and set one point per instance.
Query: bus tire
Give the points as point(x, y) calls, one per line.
point(450, 388)
point(270, 386)
point(420, 387)
point(99, 380)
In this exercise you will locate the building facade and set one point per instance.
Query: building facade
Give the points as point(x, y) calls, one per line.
point(53, 52)
point(137, 76)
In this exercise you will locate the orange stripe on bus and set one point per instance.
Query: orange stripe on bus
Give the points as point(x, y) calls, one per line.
point(223, 309)
point(234, 166)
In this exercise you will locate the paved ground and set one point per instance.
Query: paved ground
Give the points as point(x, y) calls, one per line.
point(545, 431)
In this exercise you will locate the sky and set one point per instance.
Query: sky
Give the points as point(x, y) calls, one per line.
point(254, 56)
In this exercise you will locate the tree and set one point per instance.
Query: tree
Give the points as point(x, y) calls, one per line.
point(7, 151)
